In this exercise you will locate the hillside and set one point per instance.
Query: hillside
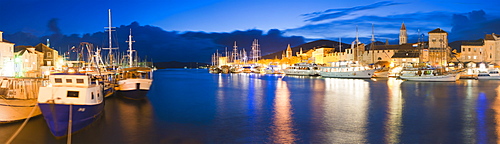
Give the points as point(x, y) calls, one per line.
point(308, 46)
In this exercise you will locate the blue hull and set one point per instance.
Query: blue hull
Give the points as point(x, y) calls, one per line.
point(57, 116)
point(133, 94)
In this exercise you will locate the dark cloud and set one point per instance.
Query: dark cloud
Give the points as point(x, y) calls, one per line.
point(336, 13)
point(52, 25)
point(157, 45)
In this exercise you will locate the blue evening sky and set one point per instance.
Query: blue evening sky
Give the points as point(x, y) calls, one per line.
point(314, 19)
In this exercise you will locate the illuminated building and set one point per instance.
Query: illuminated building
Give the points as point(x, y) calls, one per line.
point(6, 57)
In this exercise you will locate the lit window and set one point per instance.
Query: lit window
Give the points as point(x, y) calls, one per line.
point(404, 59)
point(475, 57)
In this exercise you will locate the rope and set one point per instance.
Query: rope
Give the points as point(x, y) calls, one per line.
point(70, 122)
point(22, 126)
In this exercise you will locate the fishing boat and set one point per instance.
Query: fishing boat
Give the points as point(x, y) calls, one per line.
point(428, 74)
point(346, 69)
point(134, 81)
point(70, 102)
point(303, 69)
point(18, 98)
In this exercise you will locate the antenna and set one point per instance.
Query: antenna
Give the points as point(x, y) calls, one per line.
point(357, 40)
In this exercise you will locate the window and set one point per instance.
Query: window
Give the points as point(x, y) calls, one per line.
point(73, 94)
point(468, 57)
point(469, 49)
point(92, 95)
point(463, 49)
point(79, 80)
point(69, 81)
point(475, 57)
point(58, 80)
point(474, 49)
point(379, 58)
point(49, 55)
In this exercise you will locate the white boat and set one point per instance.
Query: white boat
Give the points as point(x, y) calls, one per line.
point(428, 75)
point(18, 98)
point(134, 82)
point(346, 69)
point(303, 69)
point(273, 69)
point(381, 73)
point(70, 102)
point(491, 74)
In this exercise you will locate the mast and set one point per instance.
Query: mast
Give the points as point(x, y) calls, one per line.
point(373, 43)
point(110, 48)
point(235, 52)
point(130, 51)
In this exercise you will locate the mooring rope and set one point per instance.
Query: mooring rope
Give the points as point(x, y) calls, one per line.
point(22, 126)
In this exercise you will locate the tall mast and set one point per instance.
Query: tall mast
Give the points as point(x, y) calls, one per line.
point(235, 52)
point(110, 48)
point(130, 62)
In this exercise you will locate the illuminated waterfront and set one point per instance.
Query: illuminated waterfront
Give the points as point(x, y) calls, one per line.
point(194, 106)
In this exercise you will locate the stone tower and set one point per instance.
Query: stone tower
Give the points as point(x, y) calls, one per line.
point(288, 52)
point(403, 36)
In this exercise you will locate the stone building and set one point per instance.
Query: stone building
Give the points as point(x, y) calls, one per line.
point(6, 57)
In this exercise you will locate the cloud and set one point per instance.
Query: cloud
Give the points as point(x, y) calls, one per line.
point(386, 27)
point(337, 13)
point(52, 25)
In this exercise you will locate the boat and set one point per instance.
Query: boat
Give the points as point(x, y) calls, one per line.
point(273, 69)
point(346, 69)
point(428, 74)
point(70, 102)
point(469, 73)
point(381, 73)
point(134, 81)
point(491, 74)
point(18, 98)
point(303, 69)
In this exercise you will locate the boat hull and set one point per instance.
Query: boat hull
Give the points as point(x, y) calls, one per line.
point(16, 110)
point(444, 78)
point(364, 74)
point(134, 88)
point(57, 116)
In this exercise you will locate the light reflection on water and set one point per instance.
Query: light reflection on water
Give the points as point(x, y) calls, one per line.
point(193, 106)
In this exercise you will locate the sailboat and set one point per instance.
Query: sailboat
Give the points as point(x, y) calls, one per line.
point(134, 82)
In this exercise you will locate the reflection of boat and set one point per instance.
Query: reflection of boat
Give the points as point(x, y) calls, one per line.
point(70, 102)
point(346, 69)
point(18, 98)
point(428, 74)
point(305, 69)
point(491, 73)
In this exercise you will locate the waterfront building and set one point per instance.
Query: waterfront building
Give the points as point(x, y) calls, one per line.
point(6, 57)
point(439, 51)
point(27, 61)
point(482, 50)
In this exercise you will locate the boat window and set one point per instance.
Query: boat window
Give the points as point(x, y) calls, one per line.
point(79, 80)
point(92, 95)
point(69, 81)
point(58, 80)
point(72, 94)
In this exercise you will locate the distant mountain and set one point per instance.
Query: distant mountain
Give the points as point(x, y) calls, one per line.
point(176, 64)
point(308, 46)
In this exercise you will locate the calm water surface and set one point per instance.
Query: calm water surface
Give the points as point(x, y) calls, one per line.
point(193, 106)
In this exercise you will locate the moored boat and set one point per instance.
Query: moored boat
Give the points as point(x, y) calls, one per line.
point(134, 82)
point(491, 74)
point(18, 98)
point(428, 75)
point(303, 69)
point(346, 69)
point(70, 102)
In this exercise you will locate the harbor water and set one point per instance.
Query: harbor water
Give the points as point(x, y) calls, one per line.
point(194, 106)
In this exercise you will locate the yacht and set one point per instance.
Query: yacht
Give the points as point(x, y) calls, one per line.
point(491, 73)
point(428, 74)
point(346, 69)
point(303, 69)
point(18, 98)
